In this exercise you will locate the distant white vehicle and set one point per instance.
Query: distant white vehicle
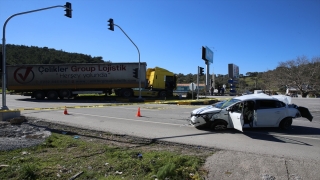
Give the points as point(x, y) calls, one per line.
point(256, 110)
point(257, 91)
point(246, 93)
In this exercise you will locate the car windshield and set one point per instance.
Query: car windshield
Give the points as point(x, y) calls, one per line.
point(226, 103)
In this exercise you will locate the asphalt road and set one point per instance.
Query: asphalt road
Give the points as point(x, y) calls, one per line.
point(169, 123)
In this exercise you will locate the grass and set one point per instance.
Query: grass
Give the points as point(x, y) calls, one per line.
point(63, 156)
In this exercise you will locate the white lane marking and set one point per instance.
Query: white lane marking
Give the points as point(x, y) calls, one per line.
point(134, 108)
point(86, 106)
point(126, 119)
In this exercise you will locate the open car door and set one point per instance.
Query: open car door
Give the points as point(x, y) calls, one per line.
point(235, 115)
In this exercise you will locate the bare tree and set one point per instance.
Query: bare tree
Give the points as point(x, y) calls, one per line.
point(300, 73)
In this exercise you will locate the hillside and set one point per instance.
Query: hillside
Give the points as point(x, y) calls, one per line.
point(20, 54)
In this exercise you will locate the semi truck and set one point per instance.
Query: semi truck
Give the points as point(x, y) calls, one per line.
point(53, 81)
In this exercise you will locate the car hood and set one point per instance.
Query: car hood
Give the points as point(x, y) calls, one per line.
point(205, 110)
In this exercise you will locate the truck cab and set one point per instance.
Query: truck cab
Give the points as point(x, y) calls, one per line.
point(162, 81)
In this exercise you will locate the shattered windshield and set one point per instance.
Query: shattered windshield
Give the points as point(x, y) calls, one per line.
point(225, 103)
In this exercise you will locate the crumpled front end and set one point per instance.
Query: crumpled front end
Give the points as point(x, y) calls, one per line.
point(197, 121)
point(202, 116)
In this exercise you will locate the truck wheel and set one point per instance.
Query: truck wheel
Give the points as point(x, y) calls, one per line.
point(39, 95)
point(219, 125)
point(52, 95)
point(285, 123)
point(64, 93)
point(162, 94)
point(127, 93)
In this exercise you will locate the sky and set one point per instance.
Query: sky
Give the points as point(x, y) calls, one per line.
point(255, 35)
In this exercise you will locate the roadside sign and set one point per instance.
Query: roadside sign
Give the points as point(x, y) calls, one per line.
point(232, 81)
point(207, 54)
point(192, 86)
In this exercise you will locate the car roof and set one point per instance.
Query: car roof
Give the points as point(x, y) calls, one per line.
point(262, 96)
point(255, 97)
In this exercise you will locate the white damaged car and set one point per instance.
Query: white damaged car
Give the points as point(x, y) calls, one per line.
point(254, 110)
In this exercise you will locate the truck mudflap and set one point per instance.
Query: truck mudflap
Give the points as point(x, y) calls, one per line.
point(305, 113)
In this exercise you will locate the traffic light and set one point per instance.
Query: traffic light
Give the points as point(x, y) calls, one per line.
point(68, 10)
point(135, 73)
point(111, 25)
point(201, 73)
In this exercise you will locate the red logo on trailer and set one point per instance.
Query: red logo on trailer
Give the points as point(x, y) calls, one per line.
point(23, 75)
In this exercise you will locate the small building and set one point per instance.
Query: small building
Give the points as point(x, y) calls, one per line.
point(184, 88)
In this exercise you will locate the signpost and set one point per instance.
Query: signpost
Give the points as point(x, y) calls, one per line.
point(207, 56)
point(192, 87)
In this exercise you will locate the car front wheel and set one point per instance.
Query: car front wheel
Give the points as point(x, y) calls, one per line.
point(219, 125)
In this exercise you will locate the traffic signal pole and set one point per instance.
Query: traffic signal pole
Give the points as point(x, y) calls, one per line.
point(207, 85)
point(199, 71)
point(111, 28)
point(4, 68)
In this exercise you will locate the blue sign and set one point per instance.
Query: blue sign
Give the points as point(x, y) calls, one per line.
point(232, 81)
point(207, 54)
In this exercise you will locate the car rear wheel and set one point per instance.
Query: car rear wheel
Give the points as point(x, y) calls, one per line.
point(219, 125)
point(285, 123)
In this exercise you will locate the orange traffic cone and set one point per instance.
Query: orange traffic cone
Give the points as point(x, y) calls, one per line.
point(65, 110)
point(138, 113)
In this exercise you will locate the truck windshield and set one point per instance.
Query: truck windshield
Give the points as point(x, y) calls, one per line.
point(226, 103)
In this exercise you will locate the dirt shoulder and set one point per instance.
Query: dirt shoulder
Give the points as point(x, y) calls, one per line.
point(220, 164)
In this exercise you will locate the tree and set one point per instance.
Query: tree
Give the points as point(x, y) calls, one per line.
point(189, 78)
point(220, 80)
point(268, 81)
point(252, 74)
point(255, 77)
point(242, 85)
point(301, 73)
point(180, 78)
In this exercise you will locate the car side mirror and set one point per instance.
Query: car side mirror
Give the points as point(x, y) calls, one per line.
point(229, 109)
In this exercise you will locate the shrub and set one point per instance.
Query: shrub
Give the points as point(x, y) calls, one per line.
point(189, 94)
